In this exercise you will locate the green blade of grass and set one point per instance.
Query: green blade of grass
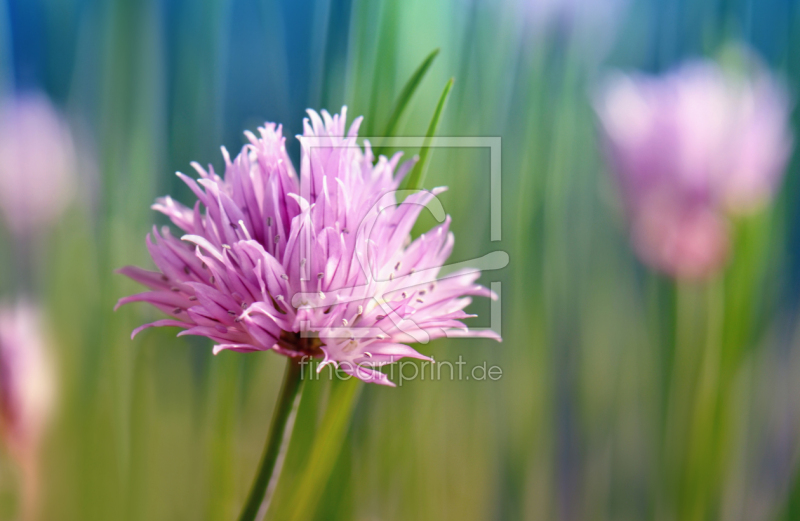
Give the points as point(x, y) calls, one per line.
point(405, 96)
point(417, 175)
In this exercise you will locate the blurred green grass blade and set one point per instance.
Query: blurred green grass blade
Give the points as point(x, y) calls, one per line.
point(385, 64)
point(405, 97)
point(326, 450)
point(417, 175)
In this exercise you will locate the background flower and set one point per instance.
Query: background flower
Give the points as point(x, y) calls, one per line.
point(37, 162)
point(27, 390)
point(690, 148)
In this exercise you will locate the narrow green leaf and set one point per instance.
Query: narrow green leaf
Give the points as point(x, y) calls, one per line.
point(405, 96)
point(417, 175)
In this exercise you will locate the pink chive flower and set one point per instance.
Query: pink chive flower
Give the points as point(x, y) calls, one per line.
point(37, 163)
point(26, 392)
point(26, 379)
point(322, 265)
point(691, 149)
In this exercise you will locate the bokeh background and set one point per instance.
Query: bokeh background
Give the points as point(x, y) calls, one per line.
point(159, 428)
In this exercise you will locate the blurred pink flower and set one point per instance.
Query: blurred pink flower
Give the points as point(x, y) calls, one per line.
point(26, 392)
point(37, 162)
point(689, 149)
point(273, 258)
point(26, 380)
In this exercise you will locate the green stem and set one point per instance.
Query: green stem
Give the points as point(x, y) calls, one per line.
point(327, 447)
point(705, 441)
point(280, 432)
point(678, 402)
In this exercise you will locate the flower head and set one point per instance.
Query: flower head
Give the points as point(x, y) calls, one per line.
point(690, 149)
point(323, 265)
point(37, 162)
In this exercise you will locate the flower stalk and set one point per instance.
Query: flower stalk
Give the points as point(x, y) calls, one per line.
point(280, 432)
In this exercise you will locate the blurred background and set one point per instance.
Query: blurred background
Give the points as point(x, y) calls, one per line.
point(625, 394)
